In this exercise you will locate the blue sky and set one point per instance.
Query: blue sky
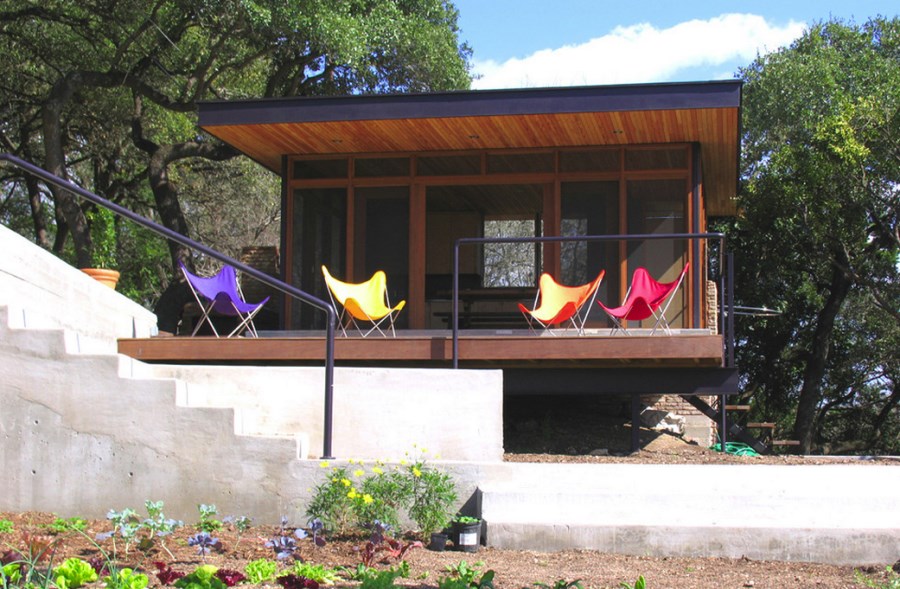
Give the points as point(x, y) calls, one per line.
point(536, 43)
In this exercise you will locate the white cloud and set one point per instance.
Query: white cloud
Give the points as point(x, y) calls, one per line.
point(642, 53)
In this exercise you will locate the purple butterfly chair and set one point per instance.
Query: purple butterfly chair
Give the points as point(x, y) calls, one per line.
point(225, 298)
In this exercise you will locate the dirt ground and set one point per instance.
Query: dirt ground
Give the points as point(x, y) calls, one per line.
point(513, 569)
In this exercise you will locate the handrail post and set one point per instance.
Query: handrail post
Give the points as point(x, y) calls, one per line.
point(455, 304)
point(327, 429)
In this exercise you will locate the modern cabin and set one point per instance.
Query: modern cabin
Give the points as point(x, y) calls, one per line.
point(629, 175)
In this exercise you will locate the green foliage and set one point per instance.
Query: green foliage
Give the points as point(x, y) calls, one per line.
point(6, 526)
point(316, 572)
point(891, 579)
point(562, 584)
point(640, 583)
point(74, 573)
point(352, 497)
point(203, 577)
point(817, 237)
point(465, 576)
point(125, 579)
point(208, 521)
point(380, 580)
point(261, 571)
point(103, 235)
point(62, 525)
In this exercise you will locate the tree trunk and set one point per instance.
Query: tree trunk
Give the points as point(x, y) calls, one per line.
point(55, 163)
point(41, 235)
point(811, 391)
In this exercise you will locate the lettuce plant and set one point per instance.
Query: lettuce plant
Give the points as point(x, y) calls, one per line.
point(203, 577)
point(74, 573)
point(166, 574)
point(260, 571)
point(126, 579)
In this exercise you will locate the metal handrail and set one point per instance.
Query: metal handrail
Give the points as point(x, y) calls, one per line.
point(726, 279)
point(188, 242)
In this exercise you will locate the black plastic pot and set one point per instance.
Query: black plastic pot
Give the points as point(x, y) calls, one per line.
point(466, 536)
point(438, 542)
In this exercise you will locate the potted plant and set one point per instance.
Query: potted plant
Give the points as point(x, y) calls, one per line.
point(103, 255)
point(466, 533)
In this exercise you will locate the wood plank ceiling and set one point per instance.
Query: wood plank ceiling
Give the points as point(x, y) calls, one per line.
point(342, 126)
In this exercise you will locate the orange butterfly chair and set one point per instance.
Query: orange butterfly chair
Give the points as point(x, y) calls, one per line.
point(561, 304)
point(645, 298)
point(365, 301)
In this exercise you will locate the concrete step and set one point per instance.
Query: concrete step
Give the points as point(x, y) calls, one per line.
point(729, 510)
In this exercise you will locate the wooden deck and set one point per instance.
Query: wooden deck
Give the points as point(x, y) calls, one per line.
point(476, 349)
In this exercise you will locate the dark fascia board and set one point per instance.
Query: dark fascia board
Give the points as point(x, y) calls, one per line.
point(620, 381)
point(532, 101)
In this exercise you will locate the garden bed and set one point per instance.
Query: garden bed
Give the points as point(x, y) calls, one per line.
point(425, 568)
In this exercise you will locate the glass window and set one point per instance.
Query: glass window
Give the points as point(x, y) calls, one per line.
point(525, 163)
point(319, 238)
point(372, 167)
point(597, 160)
point(655, 207)
point(671, 158)
point(448, 165)
point(316, 169)
point(382, 239)
point(591, 208)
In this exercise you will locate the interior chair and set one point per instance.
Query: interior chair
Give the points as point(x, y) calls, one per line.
point(645, 298)
point(560, 304)
point(222, 294)
point(363, 302)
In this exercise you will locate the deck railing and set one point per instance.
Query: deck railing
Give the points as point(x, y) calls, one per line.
point(725, 274)
point(190, 243)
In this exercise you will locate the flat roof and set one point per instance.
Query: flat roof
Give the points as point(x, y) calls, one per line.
point(707, 113)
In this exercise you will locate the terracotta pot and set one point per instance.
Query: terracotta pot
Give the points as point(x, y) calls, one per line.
point(103, 276)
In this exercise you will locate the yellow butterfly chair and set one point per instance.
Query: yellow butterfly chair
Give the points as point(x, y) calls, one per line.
point(561, 304)
point(366, 301)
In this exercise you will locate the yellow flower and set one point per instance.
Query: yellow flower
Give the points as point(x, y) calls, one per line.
point(345, 482)
point(377, 470)
point(358, 472)
point(417, 472)
point(403, 462)
point(367, 498)
point(352, 494)
point(323, 464)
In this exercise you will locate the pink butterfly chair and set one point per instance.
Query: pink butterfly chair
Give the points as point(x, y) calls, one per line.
point(645, 298)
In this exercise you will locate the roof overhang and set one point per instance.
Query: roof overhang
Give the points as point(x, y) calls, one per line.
point(706, 113)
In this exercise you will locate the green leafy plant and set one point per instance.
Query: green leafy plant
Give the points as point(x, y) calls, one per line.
point(466, 519)
point(125, 579)
point(239, 523)
point(463, 575)
point(10, 574)
point(208, 521)
point(157, 525)
point(203, 577)
point(62, 525)
point(126, 525)
point(317, 572)
point(74, 573)
point(433, 498)
point(333, 502)
point(891, 579)
point(261, 571)
point(380, 580)
point(6, 526)
point(102, 223)
point(640, 583)
point(562, 584)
